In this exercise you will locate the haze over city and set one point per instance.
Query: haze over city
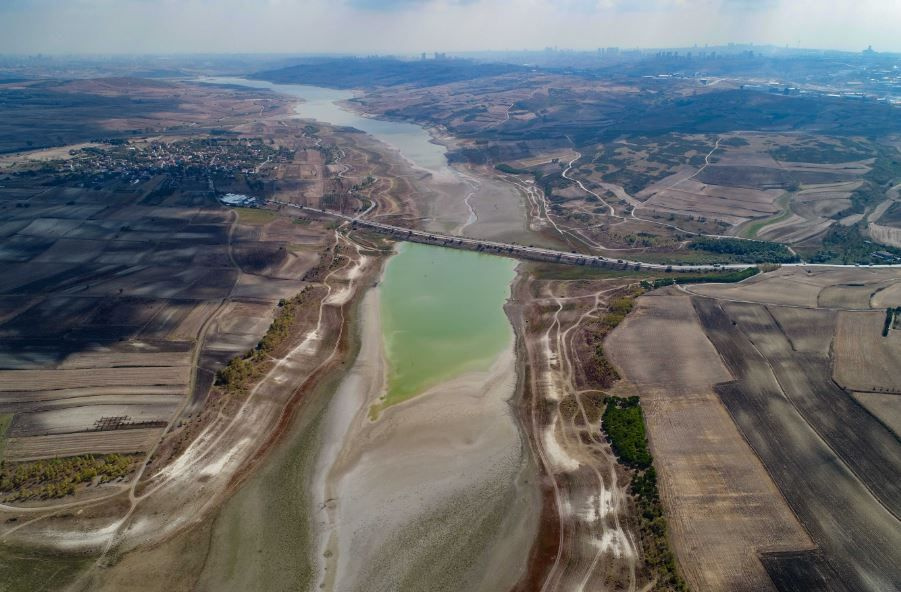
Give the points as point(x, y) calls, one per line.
point(399, 26)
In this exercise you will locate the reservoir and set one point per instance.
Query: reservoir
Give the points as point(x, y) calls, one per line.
point(442, 315)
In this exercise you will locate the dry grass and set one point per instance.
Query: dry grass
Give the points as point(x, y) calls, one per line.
point(255, 216)
point(885, 407)
point(864, 359)
point(34, 380)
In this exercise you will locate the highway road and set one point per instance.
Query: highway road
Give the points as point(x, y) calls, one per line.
point(524, 252)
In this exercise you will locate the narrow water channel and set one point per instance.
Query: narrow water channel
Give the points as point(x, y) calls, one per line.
point(323, 104)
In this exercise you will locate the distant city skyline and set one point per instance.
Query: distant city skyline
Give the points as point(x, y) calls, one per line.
point(414, 26)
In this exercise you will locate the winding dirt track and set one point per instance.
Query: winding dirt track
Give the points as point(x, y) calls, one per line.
point(596, 547)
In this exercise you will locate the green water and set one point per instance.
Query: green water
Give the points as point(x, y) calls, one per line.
point(442, 315)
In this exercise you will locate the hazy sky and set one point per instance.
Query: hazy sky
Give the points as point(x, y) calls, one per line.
point(409, 26)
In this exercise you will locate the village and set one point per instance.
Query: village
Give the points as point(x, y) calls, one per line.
point(140, 160)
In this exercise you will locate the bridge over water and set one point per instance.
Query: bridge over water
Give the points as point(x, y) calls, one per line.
point(525, 252)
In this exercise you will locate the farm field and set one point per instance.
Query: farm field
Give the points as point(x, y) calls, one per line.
point(123, 298)
point(781, 336)
point(723, 508)
point(84, 329)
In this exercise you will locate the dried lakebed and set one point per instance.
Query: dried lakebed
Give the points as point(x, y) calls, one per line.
point(438, 492)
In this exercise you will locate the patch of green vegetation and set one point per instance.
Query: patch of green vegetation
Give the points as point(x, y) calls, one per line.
point(723, 277)
point(601, 372)
point(623, 424)
point(58, 477)
point(754, 227)
point(5, 420)
point(886, 170)
point(26, 570)
point(745, 251)
point(255, 216)
point(506, 168)
point(890, 315)
point(847, 245)
point(821, 152)
point(242, 371)
point(644, 160)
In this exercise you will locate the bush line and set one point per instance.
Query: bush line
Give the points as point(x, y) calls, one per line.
point(58, 477)
point(726, 277)
point(890, 314)
point(623, 425)
point(243, 370)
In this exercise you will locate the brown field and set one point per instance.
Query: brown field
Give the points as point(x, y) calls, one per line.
point(886, 407)
point(137, 440)
point(851, 295)
point(864, 445)
point(794, 423)
point(37, 380)
point(833, 456)
point(864, 359)
point(802, 286)
point(887, 235)
point(124, 359)
point(729, 204)
point(886, 297)
point(85, 417)
point(793, 229)
point(807, 330)
point(722, 506)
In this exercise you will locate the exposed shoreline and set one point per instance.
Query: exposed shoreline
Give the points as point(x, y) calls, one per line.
point(445, 474)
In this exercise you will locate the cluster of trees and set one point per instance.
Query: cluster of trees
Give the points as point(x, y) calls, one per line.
point(848, 244)
point(653, 531)
point(506, 168)
point(723, 277)
point(601, 372)
point(623, 424)
point(243, 370)
point(884, 173)
point(58, 477)
point(617, 311)
point(890, 314)
point(745, 251)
